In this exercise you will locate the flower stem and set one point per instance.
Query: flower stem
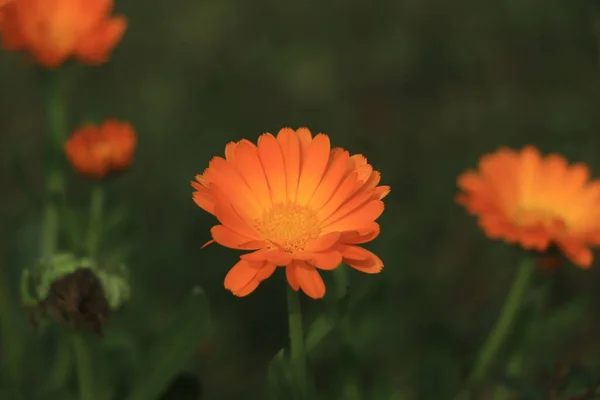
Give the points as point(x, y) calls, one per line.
point(298, 353)
point(94, 229)
point(504, 323)
point(84, 368)
point(55, 113)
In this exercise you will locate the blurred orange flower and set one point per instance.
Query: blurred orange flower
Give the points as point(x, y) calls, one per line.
point(295, 201)
point(96, 151)
point(535, 201)
point(54, 30)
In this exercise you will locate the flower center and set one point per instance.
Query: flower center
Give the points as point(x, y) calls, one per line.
point(288, 227)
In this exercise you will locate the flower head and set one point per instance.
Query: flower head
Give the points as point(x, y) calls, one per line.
point(96, 151)
point(297, 203)
point(54, 30)
point(535, 201)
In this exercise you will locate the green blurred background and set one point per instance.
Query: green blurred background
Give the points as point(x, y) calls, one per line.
point(422, 88)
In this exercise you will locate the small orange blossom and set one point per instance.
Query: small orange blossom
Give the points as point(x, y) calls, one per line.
point(54, 30)
point(295, 201)
point(535, 201)
point(96, 151)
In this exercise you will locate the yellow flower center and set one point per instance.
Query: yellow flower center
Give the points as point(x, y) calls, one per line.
point(288, 227)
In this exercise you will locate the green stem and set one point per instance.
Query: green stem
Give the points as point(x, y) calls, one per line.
point(297, 349)
point(13, 343)
point(504, 323)
point(94, 232)
point(340, 279)
point(84, 368)
point(55, 110)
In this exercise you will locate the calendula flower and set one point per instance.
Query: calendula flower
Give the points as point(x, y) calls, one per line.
point(535, 201)
point(297, 203)
point(52, 31)
point(95, 151)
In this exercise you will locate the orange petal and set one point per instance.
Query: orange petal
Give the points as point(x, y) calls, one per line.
point(230, 152)
point(304, 138)
point(341, 194)
point(381, 192)
point(228, 238)
point(229, 218)
point(290, 148)
point(227, 179)
point(208, 243)
point(256, 256)
point(246, 290)
point(352, 204)
point(95, 47)
point(578, 253)
point(358, 218)
point(271, 159)
point(252, 170)
point(204, 199)
point(265, 271)
point(309, 280)
point(240, 275)
point(326, 260)
point(279, 257)
point(331, 179)
point(290, 274)
point(313, 167)
point(367, 262)
point(369, 232)
point(322, 243)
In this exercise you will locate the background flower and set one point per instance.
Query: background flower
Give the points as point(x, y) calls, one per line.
point(96, 151)
point(297, 203)
point(535, 201)
point(54, 30)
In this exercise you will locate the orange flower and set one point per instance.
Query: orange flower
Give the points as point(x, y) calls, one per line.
point(295, 201)
point(96, 151)
point(535, 201)
point(54, 30)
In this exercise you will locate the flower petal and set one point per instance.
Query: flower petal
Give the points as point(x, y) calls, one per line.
point(362, 260)
point(203, 198)
point(290, 274)
point(250, 167)
point(240, 275)
point(226, 178)
point(331, 179)
point(309, 280)
point(323, 242)
point(228, 238)
point(313, 167)
point(271, 159)
point(340, 195)
point(290, 148)
point(369, 232)
point(326, 260)
point(358, 218)
point(229, 218)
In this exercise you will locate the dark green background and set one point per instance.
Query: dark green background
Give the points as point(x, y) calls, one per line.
point(422, 88)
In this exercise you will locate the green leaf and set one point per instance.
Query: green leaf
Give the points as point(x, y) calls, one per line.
point(279, 377)
point(60, 265)
point(318, 332)
point(116, 287)
point(170, 354)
